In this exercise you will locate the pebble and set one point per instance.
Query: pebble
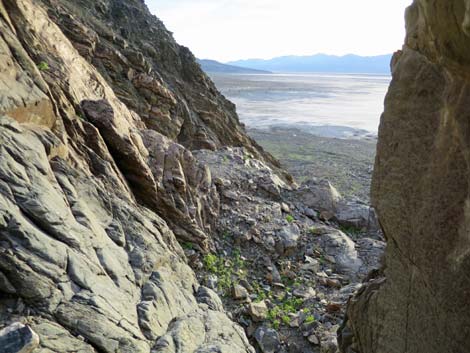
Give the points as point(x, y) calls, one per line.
point(239, 292)
point(313, 339)
point(285, 207)
point(333, 307)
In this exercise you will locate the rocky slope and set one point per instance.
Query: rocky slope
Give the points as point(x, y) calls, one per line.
point(419, 301)
point(286, 259)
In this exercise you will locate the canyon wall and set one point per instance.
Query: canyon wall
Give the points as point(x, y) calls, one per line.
point(419, 301)
point(98, 181)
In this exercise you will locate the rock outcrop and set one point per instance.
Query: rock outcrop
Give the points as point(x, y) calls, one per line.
point(93, 196)
point(153, 75)
point(419, 301)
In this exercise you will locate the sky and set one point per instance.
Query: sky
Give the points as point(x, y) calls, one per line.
point(226, 30)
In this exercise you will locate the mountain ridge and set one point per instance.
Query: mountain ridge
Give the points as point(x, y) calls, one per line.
point(349, 63)
point(214, 66)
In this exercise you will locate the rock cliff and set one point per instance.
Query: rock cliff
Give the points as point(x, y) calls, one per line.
point(419, 301)
point(97, 181)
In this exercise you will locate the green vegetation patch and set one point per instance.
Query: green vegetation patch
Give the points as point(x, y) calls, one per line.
point(229, 270)
point(43, 66)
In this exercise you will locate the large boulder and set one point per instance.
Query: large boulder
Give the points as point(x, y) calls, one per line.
point(421, 190)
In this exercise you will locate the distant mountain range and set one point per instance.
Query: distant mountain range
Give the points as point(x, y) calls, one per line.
point(320, 63)
point(212, 66)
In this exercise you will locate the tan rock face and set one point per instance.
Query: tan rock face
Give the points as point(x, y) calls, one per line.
point(421, 192)
point(91, 203)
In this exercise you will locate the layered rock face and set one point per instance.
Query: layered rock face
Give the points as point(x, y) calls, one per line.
point(93, 194)
point(421, 191)
point(151, 73)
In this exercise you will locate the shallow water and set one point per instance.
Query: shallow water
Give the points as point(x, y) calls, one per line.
point(315, 102)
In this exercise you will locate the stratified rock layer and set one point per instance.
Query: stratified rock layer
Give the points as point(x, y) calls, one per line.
point(421, 191)
point(92, 199)
point(151, 73)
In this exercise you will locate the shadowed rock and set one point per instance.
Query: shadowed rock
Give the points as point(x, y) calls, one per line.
point(418, 302)
point(18, 338)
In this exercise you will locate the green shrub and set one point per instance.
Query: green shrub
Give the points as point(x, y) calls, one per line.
point(280, 312)
point(227, 270)
point(290, 219)
point(211, 263)
point(43, 66)
point(309, 319)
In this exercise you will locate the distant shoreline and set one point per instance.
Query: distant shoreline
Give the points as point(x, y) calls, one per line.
point(210, 73)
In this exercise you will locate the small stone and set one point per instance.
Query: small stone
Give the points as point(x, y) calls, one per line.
point(246, 284)
point(333, 307)
point(326, 215)
point(258, 311)
point(239, 292)
point(313, 339)
point(285, 207)
point(311, 264)
point(328, 282)
point(330, 259)
point(295, 322)
point(269, 242)
point(212, 282)
point(310, 213)
point(333, 283)
point(304, 293)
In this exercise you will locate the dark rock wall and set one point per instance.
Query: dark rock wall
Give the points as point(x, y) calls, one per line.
point(419, 303)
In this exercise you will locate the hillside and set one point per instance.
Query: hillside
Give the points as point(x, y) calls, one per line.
point(212, 66)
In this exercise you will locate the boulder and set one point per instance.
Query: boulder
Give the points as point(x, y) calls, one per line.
point(355, 214)
point(342, 250)
point(267, 339)
point(288, 238)
point(318, 195)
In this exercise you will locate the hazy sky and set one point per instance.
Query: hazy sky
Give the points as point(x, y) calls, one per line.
point(238, 29)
